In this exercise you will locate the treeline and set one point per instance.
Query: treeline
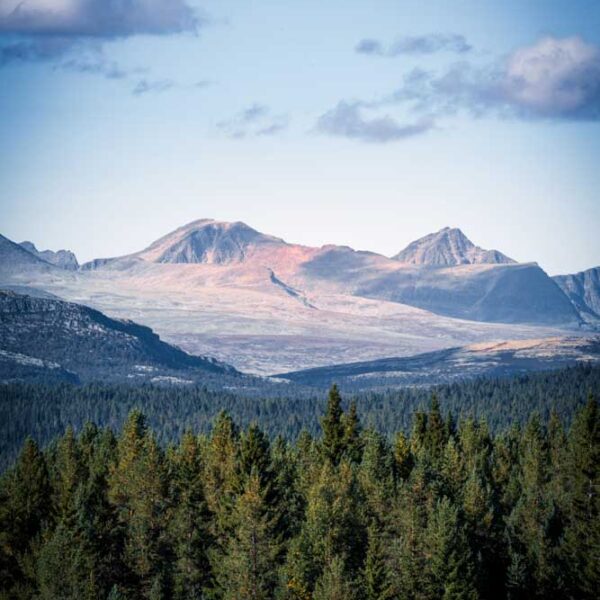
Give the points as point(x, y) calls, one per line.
point(44, 411)
point(447, 511)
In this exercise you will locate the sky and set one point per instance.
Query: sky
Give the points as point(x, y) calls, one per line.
point(367, 123)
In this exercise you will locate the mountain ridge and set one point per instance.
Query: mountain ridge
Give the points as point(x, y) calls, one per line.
point(65, 259)
point(67, 337)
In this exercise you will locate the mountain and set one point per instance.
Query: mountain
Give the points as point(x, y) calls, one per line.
point(14, 258)
point(495, 359)
point(446, 248)
point(208, 241)
point(204, 241)
point(583, 289)
point(53, 339)
point(267, 306)
point(504, 293)
point(65, 259)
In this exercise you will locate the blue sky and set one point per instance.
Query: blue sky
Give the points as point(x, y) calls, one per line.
point(350, 122)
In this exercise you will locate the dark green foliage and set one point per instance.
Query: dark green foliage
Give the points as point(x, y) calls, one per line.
point(44, 411)
point(334, 434)
point(451, 511)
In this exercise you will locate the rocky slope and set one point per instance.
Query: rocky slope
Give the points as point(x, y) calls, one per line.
point(447, 248)
point(62, 340)
point(467, 283)
point(583, 289)
point(65, 259)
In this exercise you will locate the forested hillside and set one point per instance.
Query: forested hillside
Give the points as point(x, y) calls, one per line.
point(447, 511)
point(45, 411)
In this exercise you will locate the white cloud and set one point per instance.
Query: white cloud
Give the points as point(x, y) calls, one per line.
point(555, 78)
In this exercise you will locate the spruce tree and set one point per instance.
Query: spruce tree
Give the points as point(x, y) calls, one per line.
point(138, 489)
point(580, 551)
point(376, 583)
point(352, 441)
point(25, 510)
point(189, 522)
point(247, 568)
point(334, 583)
point(333, 442)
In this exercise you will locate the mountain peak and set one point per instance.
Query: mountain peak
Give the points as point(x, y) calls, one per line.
point(64, 259)
point(448, 247)
point(208, 241)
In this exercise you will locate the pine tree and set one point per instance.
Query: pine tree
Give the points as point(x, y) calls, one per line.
point(68, 474)
point(138, 489)
point(435, 435)
point(402, 456)
point(352, 442)
point(449, 574)
point(248, 569)
point(333, 427)
point(582, 533)
point(530, 519)
point(376, 475)
point(221, 475)
point(291, 502)
point(376, 582)
point(333, 524)
point(334, 583)
point(25, 509)
point(189, 522)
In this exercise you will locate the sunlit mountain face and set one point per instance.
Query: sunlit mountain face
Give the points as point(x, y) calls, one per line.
point(267, 306)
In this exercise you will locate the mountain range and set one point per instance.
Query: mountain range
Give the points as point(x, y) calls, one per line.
point(267, 306)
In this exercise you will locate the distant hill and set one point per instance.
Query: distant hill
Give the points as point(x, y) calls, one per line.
point(51, 339)
point(455, 364)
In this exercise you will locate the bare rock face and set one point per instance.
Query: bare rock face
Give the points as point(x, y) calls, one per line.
point(65, 259)
point(209, 242)
point(15, 259)
point(583, 289)
point(446, 248)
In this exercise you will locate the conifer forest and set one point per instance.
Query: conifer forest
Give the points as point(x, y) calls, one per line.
point(446, 508)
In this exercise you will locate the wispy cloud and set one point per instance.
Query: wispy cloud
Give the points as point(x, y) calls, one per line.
point(347, 120)
point(422, 44)
point(555, 78)
point(157, 86)
point(144, 86)
point(255, 112)
point(256, 120)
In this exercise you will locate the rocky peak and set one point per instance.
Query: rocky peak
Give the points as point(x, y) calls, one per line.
point(65, 259)
point(208, 241)
point(448, 247)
